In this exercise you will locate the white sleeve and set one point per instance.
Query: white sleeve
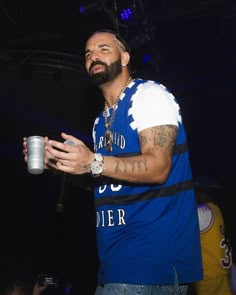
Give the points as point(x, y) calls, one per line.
point(153, 106)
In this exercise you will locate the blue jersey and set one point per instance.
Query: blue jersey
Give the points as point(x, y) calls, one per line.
point(146, 232)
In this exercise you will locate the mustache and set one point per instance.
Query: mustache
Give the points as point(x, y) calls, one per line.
point(97, 62)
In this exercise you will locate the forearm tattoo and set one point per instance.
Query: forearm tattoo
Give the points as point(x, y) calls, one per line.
point(133, 164)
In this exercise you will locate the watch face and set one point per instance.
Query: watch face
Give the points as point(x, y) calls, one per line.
point(97, 165)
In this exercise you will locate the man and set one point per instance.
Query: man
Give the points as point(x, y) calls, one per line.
point(147, 225)
point(216, 249)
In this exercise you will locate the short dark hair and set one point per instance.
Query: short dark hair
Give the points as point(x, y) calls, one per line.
point(117, 36)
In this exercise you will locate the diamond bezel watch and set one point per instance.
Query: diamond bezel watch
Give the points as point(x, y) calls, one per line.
point(97, 166)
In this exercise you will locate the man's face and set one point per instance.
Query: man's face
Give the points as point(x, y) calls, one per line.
point(102, 58)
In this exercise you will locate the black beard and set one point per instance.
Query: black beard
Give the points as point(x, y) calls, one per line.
point(109, 74)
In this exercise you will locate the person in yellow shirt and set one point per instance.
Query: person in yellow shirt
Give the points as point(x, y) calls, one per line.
point(215, 247)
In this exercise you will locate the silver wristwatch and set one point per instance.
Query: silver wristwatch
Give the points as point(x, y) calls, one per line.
point(97, 166)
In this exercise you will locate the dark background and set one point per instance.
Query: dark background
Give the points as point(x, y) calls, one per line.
point(44, 90)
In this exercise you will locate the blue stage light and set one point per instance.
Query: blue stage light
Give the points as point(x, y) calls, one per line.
point(146, 58)
point(81, 9)
point(126, 14)
point(88, 8)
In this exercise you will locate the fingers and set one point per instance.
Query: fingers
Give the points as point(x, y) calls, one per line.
point(24, 151)
point(59, 147)
point(61, 152)
point(57, 154)
point(24, 142)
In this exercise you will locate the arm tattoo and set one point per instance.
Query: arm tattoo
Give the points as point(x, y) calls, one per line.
point(133, 164)
point(163, 136)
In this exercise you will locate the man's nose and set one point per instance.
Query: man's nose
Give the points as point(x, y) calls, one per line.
point(94, 56)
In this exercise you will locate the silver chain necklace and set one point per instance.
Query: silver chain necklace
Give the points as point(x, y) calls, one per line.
point(108, 133)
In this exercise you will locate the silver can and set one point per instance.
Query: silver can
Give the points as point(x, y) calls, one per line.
point(35, 154)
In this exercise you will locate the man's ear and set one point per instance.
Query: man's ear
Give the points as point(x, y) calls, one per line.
point(125, 57)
